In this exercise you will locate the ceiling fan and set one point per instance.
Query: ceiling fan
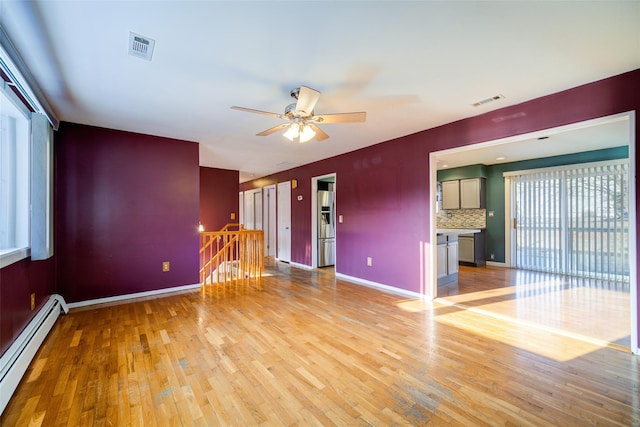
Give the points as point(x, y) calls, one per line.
point(302, 121)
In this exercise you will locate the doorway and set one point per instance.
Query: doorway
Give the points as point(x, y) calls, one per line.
point(284, 222)
point(534, 139)
point(321, 182)
point(269, 220)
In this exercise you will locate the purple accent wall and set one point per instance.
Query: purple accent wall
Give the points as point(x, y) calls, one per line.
point(17, 282)
point(383, 190)
point(125, 203)
point(218, 197)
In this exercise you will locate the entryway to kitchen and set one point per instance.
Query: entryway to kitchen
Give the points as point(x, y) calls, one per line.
point(557, 228)
point(323, 220)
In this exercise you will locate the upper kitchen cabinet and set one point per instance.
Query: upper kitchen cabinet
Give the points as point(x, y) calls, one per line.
point(451, 195)
point(464, 194)
point(473, 193)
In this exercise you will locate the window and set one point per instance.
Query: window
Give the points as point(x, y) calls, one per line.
point(574, 220)
point(14, 178)
point(26, 162)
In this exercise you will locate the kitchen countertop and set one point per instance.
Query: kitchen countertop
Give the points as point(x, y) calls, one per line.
point(457, 230)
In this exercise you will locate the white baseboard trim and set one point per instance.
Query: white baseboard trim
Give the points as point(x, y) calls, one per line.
point(497, 264)
point(15, 361)
point(301, 266)
point(132, 296)
point(380, 286)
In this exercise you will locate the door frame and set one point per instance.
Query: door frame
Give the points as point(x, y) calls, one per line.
point(429, 281)
point(314, 216)
point(286, 185)
point(269, 223)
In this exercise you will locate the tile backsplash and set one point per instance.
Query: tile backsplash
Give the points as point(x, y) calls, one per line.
point(462, 218)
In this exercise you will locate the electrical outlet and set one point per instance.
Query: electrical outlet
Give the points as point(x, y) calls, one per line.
point(493, 256)
point(369, 261)
point(166, 266)
point(233, 215)
point(33, 301)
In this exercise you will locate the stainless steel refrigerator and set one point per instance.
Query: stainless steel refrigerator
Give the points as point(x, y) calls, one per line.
point(326, 229)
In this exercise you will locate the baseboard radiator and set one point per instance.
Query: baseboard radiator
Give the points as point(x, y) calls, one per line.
point(16, 359)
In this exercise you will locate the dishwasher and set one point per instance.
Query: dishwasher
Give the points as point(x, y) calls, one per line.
point(466, 248)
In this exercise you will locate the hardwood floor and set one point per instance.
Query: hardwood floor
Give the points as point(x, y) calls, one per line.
point(306, 349)
point(593, 310)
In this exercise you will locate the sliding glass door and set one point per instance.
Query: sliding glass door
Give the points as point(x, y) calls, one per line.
point(573, 220)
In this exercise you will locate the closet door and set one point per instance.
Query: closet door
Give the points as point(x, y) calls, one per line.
point(284, 222)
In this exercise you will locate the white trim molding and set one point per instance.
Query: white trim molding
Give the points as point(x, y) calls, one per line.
point(15, 361)
point(133, 296)
point(379, 286)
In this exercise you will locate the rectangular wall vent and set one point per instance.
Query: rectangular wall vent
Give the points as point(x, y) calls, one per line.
point(486, 101)
point(141, 46)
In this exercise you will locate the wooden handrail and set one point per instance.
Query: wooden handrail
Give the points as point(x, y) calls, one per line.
point(230, 225)
point(231, 255)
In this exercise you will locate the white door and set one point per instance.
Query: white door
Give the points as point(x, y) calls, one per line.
point(248, 210)
point(284, 222)
point(257, 210)
point(269, 219)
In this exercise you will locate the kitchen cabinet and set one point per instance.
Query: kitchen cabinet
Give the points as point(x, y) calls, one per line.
point(472, 193)
point(451, 195)
point(464, 194)
point(447, 258)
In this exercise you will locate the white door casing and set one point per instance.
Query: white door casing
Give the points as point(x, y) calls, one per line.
point(284, 222)
point(269, 220)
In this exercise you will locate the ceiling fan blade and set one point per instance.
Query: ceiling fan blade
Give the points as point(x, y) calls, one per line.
point(250, 110)
point(272, 130)
point(320, 134)
point(341, 118)
point(307, 99)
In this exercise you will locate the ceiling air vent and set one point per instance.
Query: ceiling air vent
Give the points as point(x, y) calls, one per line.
point(141, 46)
point(488, 100)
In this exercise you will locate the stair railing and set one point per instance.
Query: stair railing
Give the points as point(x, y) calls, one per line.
point(231, 255)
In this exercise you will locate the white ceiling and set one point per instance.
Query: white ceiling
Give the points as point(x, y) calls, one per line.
point(410, 65)
point(605, 132)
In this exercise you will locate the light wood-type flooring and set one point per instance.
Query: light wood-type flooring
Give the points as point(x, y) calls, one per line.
point(592, 310)
point(306, 349)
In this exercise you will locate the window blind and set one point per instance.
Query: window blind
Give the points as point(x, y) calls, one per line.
point(574, 220)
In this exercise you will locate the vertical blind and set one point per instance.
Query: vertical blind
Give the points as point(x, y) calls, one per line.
point(574, 220)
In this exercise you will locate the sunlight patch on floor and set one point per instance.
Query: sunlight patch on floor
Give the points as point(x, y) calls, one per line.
point(415, 305)
point(556, 305)
point(549, 342)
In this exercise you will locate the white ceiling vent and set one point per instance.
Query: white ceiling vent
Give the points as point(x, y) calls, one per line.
point(141, 46)
point(488, 100)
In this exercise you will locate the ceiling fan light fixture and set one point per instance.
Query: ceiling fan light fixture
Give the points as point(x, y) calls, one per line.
point(307, 134)
point(292, 132)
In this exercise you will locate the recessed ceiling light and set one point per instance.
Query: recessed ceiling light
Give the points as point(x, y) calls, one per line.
point(500, 158)
point(445, 166)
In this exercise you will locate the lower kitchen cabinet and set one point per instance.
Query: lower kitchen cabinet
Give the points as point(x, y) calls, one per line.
point(447, 254)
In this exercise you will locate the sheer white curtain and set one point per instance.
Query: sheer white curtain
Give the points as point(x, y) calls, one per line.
point(573, 220)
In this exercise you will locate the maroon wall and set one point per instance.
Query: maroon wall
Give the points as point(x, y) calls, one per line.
point(17, 282)
point(383, 190)
point(124, 203)
point(218, 197)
